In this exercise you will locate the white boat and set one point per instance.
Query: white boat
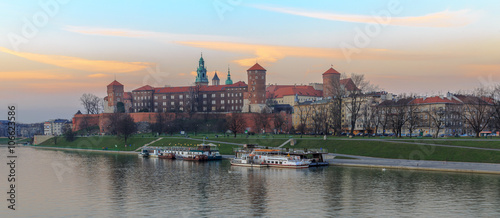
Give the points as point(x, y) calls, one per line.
point(271, 158)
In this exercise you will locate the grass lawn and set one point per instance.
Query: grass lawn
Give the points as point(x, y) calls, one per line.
point(467, 143)
point(400, 150)
point(5, 140)
point(98, 143)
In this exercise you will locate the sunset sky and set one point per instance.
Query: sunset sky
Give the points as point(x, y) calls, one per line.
point(51, 54)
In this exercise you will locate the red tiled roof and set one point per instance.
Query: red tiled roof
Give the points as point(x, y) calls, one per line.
point(278, 91)
point(127, 95)
point(145, 88)
point(256, 67)
point(239, 84)
point(348, 84)
point(434, 100)
point(331, 71)
point(115, 83)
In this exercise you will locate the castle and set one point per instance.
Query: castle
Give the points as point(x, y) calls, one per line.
point(253, 97)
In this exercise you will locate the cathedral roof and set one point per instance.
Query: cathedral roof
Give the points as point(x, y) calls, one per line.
point(216, 77)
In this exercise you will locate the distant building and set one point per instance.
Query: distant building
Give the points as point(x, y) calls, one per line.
point(55, 126)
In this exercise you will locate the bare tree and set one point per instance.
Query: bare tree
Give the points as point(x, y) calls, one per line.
point(236, 123)
point(112, 122)
point(320, 116)
point(91, 103)
point(437, 118)
point(278, 121)
point(261, 121)
point(356, 98)
point(303, 112)
point(478, 110)
point(194, 100)
point(413, 120)
point(126, 126)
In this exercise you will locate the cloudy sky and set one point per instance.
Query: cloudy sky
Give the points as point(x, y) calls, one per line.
point(53, 51)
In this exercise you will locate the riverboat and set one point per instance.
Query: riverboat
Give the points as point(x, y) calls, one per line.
point(202, 152)
point(166, 156)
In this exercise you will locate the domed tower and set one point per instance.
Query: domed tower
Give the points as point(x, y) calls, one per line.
point(201, 76)
point(256, 95)
point(331, 82)
point(228, 80)
point(215, 80)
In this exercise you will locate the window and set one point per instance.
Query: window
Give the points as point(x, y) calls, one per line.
point(213, 101)
point(164, 109)
point(181, 103)
point(172, 103)
point(222, 107)
point(156, 103)
point(204, 95)
point(156, 97)
point(164, 97)
point(156, 109)
point(213, 108)
point(164, 103)
point(222, 101)
point(222, 95)
point(213, 95)
point(181, 108)
point(172, 97)
point(204, 108)
point(180, 96)
point(204, 102)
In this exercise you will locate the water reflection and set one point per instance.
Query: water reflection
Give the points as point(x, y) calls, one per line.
point(94, 184)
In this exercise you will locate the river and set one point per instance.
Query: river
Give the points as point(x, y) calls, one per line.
point(52, 183)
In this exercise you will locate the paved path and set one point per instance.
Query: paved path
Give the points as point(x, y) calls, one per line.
point(138, 149)
point(415, 164)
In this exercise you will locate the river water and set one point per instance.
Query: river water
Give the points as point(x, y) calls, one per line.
point(52, 183)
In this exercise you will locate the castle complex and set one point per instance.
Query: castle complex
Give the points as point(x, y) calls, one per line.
point(253, 97)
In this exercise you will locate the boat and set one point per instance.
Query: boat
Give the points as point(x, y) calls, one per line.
point(166, 156)
point(196, 157)
point(287, 161)
point(144, 153)
point(202, 152)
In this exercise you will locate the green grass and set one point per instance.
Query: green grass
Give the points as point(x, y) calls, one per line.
point(98, 143)
point(477, 143)
point(5, 140)
point(400, 150)
point(344, 157)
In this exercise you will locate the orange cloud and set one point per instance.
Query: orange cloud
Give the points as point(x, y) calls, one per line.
point(80, 63)
point(33, 75)
point(193, 73)
point(438, 19)
point(271, 53)
point(98, 75)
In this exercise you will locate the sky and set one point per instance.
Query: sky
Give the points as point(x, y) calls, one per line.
point(53, 51)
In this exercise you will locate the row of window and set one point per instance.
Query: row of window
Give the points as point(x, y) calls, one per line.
point(187, 96)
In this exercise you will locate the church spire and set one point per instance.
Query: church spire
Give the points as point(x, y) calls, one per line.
point(228, 80)
point(201, 73)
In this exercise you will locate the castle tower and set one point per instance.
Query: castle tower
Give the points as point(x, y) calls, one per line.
point(115, 95)
point(255, 98)
point(201, 76)
point(215, 80)
point(331, 82)
point(228, 80)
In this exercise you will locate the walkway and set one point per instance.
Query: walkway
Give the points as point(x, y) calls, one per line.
point(138, 149)
point(415, 164)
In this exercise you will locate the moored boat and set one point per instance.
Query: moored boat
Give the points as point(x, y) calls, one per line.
point(166, 156)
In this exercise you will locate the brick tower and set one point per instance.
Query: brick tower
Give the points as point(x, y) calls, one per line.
point(255, 98)
point(331, 81)
point(115, 95)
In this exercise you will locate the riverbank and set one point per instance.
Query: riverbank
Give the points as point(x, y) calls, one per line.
point(362, 161)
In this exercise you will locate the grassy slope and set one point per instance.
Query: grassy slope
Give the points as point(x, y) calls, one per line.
point(353, 147)
point(97, 142)
point(467, 143)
